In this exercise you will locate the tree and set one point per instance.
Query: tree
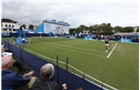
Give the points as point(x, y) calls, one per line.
point(31, 26)
point(137, 29)
point(82, 27)
point(118, 29)
point(128, 29)
point(72, 30)
point(96, 28)
point(107, 29)
point(78, 30)
point(86, 28)
point(91, 28)
point(24, 26)
point(109, 24)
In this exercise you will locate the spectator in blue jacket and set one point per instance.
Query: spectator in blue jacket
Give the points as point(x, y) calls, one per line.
point(11, 79)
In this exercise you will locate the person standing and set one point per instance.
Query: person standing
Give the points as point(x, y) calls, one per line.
point(106, 43)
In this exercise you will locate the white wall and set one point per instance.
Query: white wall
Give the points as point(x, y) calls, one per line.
point(12, 26)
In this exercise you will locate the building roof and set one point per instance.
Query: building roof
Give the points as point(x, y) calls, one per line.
point(56, 22)
point(131, 33)
point(8, 20)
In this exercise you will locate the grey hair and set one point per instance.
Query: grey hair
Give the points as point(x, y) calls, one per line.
point(47, 71)
point(5, 61)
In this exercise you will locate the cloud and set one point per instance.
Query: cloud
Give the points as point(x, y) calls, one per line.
point(75, 13)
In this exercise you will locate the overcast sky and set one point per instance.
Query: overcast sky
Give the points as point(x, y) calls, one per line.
point(118, 13)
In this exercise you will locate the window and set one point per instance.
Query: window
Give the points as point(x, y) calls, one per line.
point(9, 29)
point(4, 29)
point(5, 25)
point(12, 25)
point(9, 25)
point(14, 29)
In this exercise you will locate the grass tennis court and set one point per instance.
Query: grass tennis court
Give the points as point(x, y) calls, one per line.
point(120, 70)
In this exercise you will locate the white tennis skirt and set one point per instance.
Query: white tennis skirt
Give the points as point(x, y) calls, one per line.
point(106, 44)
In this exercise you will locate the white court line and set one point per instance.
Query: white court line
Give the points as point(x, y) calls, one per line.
point(78, 51)
point(71, 46)
point(74, 50)
point(112, 50)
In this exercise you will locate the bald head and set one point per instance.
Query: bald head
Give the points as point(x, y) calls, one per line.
point(6, 61)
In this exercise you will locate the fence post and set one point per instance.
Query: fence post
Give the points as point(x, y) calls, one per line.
point(57, 72)
point(8, 43)
point(56, 60)
point(102, 84)
point(83, 75)
point(38, 37)
point(51, 60)
point(21, 53)
point(73, 71)
point(23, 47)
point(67, 63)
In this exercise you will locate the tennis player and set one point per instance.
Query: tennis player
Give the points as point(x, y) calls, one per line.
point(106, 43)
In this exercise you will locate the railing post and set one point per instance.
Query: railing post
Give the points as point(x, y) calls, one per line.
point(83, 75)
point(38, 37)
point(8, 43)
point(57, 72)
point(57, 60)
point(21, 53)
point(23, 47)
point(51, 60)
point(73, 70)
point(67, 63)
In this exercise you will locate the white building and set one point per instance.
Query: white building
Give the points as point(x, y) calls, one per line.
point(9, 26)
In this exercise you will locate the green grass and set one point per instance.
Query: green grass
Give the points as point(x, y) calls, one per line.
point(120, 70)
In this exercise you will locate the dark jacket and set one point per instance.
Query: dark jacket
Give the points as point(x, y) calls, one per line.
point(42, 84)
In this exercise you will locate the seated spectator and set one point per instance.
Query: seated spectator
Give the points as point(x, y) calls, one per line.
point(11, 79)
point(7, 52)
point(45, 82)
point(80, 88)
point(64, 86)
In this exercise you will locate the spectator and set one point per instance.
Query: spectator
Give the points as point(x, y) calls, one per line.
point(11, 79)
point(45, 82)
point(80, 88)
point(7, 52)
point(64, 86)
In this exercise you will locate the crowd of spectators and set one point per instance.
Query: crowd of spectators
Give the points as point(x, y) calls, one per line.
point(12, 80)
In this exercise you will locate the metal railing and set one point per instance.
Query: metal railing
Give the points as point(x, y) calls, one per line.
point(102, 84)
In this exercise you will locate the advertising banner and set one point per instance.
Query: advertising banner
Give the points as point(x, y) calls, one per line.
point(56, 28)
point(125, 40)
